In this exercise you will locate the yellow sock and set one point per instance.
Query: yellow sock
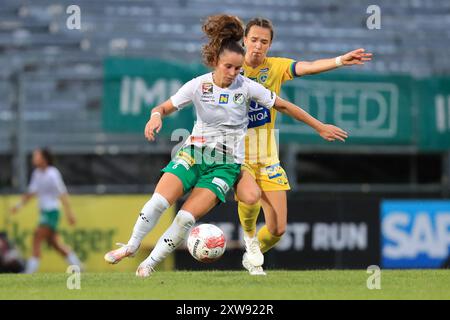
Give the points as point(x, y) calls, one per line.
point(266, 240)
point(248, 214)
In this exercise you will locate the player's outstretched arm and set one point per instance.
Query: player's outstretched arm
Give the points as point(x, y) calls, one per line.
point(67, 208)
point(326, 131)
point(358, 57)
point(23, 201)
point(155, 121)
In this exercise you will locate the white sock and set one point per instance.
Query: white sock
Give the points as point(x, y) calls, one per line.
point(149, 216)
point(72, 259)
point(172, 238)
point(32, 265)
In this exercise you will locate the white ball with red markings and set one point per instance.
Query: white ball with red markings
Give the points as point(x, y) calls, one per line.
point(206, 242)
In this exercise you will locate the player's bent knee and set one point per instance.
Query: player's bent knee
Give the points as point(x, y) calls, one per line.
point(277, 231)
point(250, 197)
point(185, 218)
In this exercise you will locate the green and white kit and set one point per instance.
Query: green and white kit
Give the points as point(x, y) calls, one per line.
point(48, 185)
point(196, 167)
point(212, 155)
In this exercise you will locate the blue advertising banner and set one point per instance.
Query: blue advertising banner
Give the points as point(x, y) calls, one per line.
point(415, 234)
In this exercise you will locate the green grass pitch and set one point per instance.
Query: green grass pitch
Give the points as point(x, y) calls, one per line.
point(217, 285)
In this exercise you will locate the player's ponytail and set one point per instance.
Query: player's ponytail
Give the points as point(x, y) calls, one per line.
point(224, 33)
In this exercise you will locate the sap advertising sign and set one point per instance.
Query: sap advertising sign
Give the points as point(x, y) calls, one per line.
point(415, 234)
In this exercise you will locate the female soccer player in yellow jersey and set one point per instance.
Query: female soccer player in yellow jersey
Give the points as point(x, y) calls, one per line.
point(263, 181)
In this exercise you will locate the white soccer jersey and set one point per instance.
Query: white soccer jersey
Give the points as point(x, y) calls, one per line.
point(222, 113)
point(48, 185)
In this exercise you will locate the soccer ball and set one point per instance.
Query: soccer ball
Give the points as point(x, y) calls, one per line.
point(206, 243)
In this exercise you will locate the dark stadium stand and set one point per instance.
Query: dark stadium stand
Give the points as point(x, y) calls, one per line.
point(56, 73)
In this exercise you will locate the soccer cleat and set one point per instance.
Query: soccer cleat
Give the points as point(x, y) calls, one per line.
point(144, 270)
point(115, 256)
point(254, 271)
point(253, 251)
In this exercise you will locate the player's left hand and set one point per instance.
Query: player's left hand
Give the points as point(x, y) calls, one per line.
point(332, 133)
point(357, 56)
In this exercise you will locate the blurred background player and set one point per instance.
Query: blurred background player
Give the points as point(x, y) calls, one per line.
point(221, 101)
point(47, 184)
point(263, 181)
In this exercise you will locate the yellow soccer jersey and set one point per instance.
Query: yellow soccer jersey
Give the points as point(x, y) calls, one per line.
point(260, 144)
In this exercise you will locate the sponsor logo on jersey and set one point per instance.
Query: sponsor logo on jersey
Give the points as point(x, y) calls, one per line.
point(198, 139)
point(223, 99)
point(207, 88)
point(274, 171)
point(181, 162)
point(239, 98)
point(185, 158)
point(262, 78)
point(257, 115)
point(208, 99)
point(222, 185)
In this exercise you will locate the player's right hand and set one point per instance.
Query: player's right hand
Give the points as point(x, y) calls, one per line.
point(153, 124)
point(72, 220)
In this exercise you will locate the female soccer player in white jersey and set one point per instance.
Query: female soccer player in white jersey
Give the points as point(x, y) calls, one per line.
point(47, 184)
point(263, 181)
point(210, 161)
